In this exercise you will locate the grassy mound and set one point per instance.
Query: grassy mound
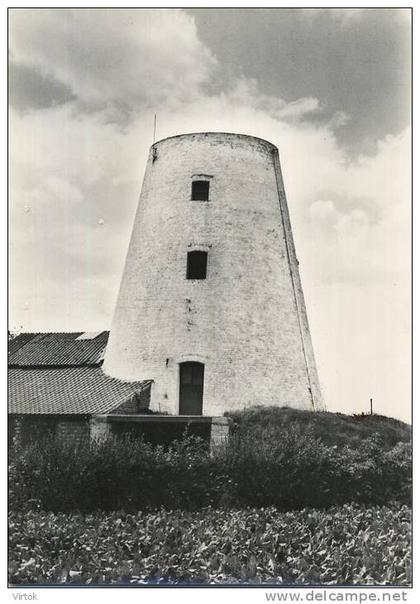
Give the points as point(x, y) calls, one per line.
point(332, 428)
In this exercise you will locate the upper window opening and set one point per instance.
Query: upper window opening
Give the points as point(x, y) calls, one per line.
point(200, 190)
point(196, 265)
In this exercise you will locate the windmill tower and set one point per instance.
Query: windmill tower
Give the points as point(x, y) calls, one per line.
point(211, 305)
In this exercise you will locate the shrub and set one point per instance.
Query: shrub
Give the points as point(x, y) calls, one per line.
point(284, 468)
point(114, 474)
point(374, 475)
point(290, 468)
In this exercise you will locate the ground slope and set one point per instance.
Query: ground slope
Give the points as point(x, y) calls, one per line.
point(332, 428)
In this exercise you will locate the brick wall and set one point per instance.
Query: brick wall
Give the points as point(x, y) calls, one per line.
point(27, 428)
point(73, 431)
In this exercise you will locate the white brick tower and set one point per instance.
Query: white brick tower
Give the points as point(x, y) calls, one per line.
point(211, 305)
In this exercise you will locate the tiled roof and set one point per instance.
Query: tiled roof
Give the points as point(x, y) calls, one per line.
point(74, 390)
point(56, 349)
point(19, 341)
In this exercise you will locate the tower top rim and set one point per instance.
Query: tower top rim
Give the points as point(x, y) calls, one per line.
point(216, 133)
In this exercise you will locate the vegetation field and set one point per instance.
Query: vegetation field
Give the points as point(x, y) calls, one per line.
point(293, 498)
point(348, 545)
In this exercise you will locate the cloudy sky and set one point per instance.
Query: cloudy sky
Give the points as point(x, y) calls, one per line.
point(331, 88)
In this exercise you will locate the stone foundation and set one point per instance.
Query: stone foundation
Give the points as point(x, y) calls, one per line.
point(75, 429)
point(102, 426)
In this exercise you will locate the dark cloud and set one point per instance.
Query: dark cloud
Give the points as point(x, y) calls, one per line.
point(357, 62)
point(118, 62)
point(30, 89)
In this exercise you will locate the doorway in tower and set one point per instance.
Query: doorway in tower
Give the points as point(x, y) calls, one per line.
point(191, 381)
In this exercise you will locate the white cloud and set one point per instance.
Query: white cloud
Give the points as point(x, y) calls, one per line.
point(299, 107)
point(245, 93)
point(323, 209)
point(115, 59)
point(339, 119)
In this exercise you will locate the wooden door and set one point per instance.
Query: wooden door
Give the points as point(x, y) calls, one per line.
point(191, 381)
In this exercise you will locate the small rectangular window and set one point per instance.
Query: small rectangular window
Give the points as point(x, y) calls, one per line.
point(200, 190)
point(196, 265)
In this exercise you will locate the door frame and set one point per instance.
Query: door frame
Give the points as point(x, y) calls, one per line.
point(190, 359)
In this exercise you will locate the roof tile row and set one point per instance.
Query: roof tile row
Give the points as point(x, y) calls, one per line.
point(56, 349)
point(74, 390)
